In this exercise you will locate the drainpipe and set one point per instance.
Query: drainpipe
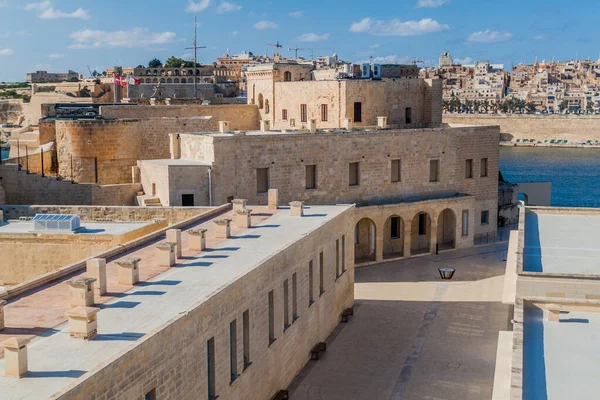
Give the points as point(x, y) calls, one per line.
point(210, 201)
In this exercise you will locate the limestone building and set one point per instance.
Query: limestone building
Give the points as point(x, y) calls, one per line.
point(287, 97)
point(43, 76)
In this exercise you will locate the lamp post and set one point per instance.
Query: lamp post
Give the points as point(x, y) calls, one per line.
point(446, 273)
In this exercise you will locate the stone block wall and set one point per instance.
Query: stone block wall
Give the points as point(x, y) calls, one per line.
point(173, 359)
point(11, 111)
point(33, 162)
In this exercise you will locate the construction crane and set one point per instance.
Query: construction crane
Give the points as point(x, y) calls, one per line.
point(296, 50)
point(277, 47)
point(416, 61)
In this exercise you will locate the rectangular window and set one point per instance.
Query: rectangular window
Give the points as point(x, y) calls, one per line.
point(337, 258)
point(271, 318)
point(484, 167)
point(358, 112)
point(354, 174)
point(284, 115)
point(311, 283)
point(434, 170)
point(233, 350)
point(210, 370)
point(292, 122)
point(343, 253)
point(469, 169)
point(286, 305)
point(303, 113)
point(324, 112)
point(246, 337)
point(321, 275)
point(465, 223)
point(396, 171)
point(485, 217)
point(311, 177)
point(408, 115)
point(294, 297)
point(422, 224)
point(395, 227)
point(262, 180)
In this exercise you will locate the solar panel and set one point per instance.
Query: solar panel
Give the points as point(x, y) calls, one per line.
point(56, 222)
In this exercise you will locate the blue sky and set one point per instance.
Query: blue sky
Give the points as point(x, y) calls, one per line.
point(57, 35)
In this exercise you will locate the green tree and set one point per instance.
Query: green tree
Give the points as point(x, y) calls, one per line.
point(174, 62)
point(589, 107)
point(85, 92)
point(140, 66)
point(530, 107)
point(154, 63)
point(118, 70)
point(563, 105)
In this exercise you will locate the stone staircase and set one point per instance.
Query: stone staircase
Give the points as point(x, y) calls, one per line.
point(148, 201)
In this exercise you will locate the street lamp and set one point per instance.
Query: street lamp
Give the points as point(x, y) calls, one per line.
point(446, 273)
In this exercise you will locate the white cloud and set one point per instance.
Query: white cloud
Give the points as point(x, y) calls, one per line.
point(6, 52)
point(392, 59)
point(375, 46)
point(226, 7)
point(234, 33)
point(136, 37)
point(296, 14)
point(45, 11)
point(3, 3)
point(488, 36)
point(431, 3)
point(194, 7)
point(395, 27)
point(261, 25)
point(55, 55)
point(540, 37)
point(462, 61)
point(313, 37)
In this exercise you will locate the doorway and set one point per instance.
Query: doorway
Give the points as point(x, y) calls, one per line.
point(358, 112)
point(187, 200)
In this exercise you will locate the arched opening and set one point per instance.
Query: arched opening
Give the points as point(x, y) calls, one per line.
point(420, 240)
point(176, 80)
point(446, 230)
point(169, 80)
point(155, 72)
point(155, 80)
point(393, 237)
point(287, 76)
point(260, 101)
point(267, 106)
point(162, 72)
point(148, 72)
point(190, 72)
point(162, 80)
point(148, 80)
point(364, 241)
point(183, 80)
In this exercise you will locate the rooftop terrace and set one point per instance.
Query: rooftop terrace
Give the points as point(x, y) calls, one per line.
point(129, 313)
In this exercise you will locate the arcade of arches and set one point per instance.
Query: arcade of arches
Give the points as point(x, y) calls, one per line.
point(407, 229)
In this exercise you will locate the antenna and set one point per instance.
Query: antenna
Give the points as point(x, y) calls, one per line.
point(195, 48)
point(277, 47)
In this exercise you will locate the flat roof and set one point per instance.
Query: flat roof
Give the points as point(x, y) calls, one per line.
point(562, 243)
point(56, 361)
point(561, 359)
point(178, 162)
point(88, 228)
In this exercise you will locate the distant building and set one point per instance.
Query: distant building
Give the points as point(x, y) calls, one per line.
point(44, 76)
point(445, 59)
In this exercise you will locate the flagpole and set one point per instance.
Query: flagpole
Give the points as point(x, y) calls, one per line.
point(128, 84)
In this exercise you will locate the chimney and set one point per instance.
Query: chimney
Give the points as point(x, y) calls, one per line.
point(96, 269)
point(224, 126)
point(83, 323)
point(81, 292)
point(2, 324)
point(174, 236)
point(243, 218)
point(223, 230)
point(197, 239)
point(297, 209)
point(273, 199)
point(175, 145)
point(128, 271)
point(347, 124)
point(238, 204)
point(165, 254)
point(265, 125)
point(312, 125)
point(382, 122)
point(15, 357)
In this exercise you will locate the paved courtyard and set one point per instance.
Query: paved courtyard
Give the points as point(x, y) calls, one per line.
point(414, 336)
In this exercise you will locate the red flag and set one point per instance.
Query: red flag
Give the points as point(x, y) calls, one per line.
point(120, 81)
point(132, 81)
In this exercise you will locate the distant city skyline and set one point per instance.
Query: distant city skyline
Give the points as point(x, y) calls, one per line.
point(60, 35)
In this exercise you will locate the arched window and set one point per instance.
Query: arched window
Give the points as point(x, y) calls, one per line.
point(267, 106)
point(260, 101)
point(287, 76)
point(183, 80)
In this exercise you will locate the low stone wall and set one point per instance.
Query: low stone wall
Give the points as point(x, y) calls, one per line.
point(23, 188)
point(574, 128)
point(93, 213)
point(33, 162)
point(11, 111)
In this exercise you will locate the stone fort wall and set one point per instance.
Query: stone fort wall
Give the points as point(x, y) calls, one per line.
point(23, 188)
point(172, 360)
point(241, 117)
point(11, 111)
point(574, 128)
